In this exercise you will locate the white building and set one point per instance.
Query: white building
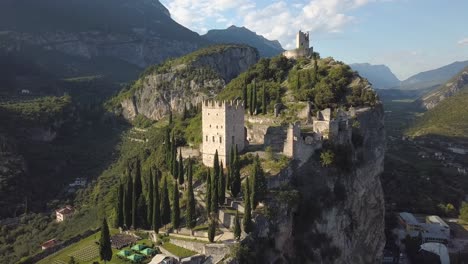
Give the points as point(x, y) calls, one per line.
point(222, 127)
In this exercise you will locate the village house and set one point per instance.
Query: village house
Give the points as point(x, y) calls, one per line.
point(64, 213)
point(49, 244)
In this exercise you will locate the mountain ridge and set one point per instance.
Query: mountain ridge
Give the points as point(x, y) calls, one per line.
point(380, 75)
point(242, 35)
point(434, 77)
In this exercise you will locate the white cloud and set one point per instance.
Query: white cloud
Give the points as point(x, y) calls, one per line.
point(463, 42)
point(277, 20)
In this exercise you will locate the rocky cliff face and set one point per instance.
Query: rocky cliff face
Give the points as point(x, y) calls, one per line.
point(331, 215)
point(185, 83)
point(138, 32)
point(447, 90)
point(141, 48)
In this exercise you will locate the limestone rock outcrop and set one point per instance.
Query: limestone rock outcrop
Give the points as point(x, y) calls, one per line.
point(447, 90)
point(186, 83)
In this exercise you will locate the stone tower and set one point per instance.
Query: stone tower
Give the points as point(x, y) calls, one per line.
point(222, 127)
point(302, 40)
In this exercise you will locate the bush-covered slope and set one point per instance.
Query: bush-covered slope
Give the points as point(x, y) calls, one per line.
point(325, 82)
point(450, 88)
point(449, 118)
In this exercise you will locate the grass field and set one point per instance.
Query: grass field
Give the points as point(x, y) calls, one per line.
point(87, 251)
point(178, 251)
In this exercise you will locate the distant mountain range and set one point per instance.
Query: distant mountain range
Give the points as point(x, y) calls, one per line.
point(434, 77)
point(242, 35)
point(380, 76)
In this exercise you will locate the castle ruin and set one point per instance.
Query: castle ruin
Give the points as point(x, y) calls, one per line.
point(303, 48)
point(222, 127)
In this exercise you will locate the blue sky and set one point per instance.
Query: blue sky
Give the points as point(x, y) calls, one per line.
point(409, 36)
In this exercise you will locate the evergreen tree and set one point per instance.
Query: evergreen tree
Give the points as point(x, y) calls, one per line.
point(181, 169)
point(150, 200)
point(214, 192)
point(175, 164)
point(136, 192)
point(105, 250)
point(141, 215)
point(168, 146)
point(212, 229)
point(221, 185)
point(264, 101)
point(247, 221)
point(120, 207)
point(190, 217)
point(251, 104)
point(229, 168)
point(208, 192)
point(315, 66)
point(236, 179)
point(237, 227)
point(258, 183)
point(165, 204)
point(175, 207)
point(156, 221)
point(254, 100)
point(244, 93)
point(128, 200)
point(216, 163)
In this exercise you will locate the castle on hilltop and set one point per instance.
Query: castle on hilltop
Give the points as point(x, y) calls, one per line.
point(222, 127)
point(303, 48)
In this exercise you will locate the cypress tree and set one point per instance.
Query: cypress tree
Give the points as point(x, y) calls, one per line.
point(141, 212)
point(254, 100)
point(156, 221)
point(190, 217)
point(264, 101)
point(216, 163)
point(208, 192)
point(214, 193)
point(251, 102)
point(244, 93)
point(247, 221)
point(129, 199)
point(175, 207)
point(258, 183)
point(236, 179)
point(105, 250)
point(165, 204)
point(170, 117)
point(212, 230)
point(237, 227)
point(315, 67)
point(221, 185)
point(120, 208)
point(150, 200)
point(181, 169)
point(253, 188)
point(136, 192)
point(168, 146)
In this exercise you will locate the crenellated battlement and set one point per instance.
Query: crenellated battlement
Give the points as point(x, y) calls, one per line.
point(215, 104)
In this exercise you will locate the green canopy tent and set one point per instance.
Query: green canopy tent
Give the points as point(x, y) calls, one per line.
point(136, 257)
point(138, 247)
point(147, 251)
point(124, 253)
